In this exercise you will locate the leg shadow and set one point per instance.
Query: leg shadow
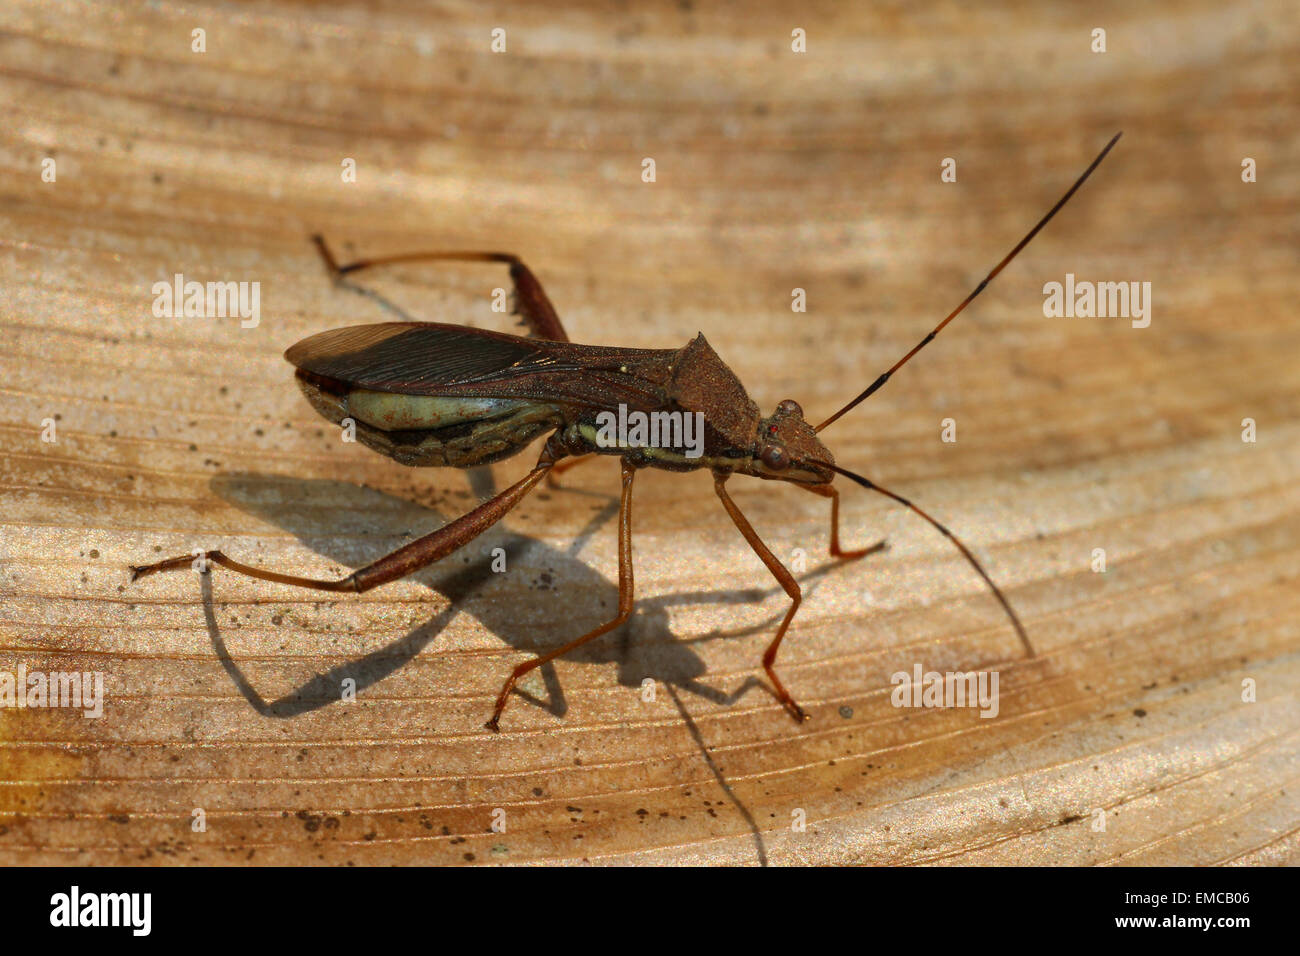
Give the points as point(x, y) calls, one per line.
point(353, 525)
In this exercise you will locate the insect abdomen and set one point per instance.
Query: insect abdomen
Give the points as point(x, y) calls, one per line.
point(390, 411)
point(430, 430)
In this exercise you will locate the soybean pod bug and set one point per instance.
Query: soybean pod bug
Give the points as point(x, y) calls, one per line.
point(430, 394)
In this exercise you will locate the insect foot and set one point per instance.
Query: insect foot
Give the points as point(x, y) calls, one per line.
point(171, 564)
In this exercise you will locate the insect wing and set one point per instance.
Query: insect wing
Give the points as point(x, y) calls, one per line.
point(416, 357)
point(430, 358)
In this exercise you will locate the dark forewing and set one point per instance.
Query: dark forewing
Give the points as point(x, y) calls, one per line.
point(429, 358)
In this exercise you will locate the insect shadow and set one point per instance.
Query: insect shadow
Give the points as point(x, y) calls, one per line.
point(326, 515)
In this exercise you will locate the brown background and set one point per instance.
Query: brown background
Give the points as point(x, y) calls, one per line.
point(775, 171)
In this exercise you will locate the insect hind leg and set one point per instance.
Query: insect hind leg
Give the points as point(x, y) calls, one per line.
point(405, 560)
point(531, 302)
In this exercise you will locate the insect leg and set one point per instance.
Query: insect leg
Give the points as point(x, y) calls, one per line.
point(833, 493)
point(405, 560)
point(562, 466)
point(532, 304)
point(783, 577)
point(624, 600)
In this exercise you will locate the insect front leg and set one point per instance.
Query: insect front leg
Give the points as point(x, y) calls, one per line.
point(833, 493)
point(405, 560)
point(624, 599)
point(531, 302)
point(783, 577)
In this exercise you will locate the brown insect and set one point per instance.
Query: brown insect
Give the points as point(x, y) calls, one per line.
point(425, 393)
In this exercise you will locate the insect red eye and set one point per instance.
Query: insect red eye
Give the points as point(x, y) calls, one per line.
point(771, 429)
point(775, 457)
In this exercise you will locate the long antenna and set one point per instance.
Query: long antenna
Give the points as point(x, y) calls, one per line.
point(1006, 606)
point(979, 288)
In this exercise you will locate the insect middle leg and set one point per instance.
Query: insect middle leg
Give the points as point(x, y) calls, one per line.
point(783, 577)
point(531, 302)
point(624, 600)
point(405, 560)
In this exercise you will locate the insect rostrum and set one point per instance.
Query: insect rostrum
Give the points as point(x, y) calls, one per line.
point(425, 393)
